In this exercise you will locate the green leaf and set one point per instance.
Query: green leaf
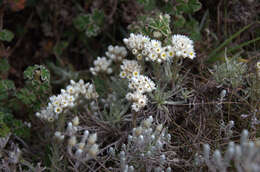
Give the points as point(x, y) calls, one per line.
point(19, 129)
point(6, 35)
point(193, 29)
point(38, 79)
point(60, 47)
point(243, 44)
point(179, 21)
point(26, 96)
point(148, 4)
point(29, 73)
point(45, 74)
point(182, 7)
point(98, 17)
point(37, 73)
point(5, 87)
point(194, 5)
point(188, 7)
point(81, 22)
point(4, 65)
point(214, 55)
point(4, 129)
point(92, 30)
point(9, 124)
point(100, 85)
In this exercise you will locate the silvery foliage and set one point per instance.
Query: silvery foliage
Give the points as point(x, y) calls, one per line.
point(245, 156)
point(229, 73)
point(145, 149)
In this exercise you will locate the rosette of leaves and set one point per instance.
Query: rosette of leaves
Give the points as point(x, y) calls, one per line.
point(26, 100)
point(8, 124)
point(32, 95)
point(157, 26)
point(6, 35)
point(90, 24)
point(37, 87)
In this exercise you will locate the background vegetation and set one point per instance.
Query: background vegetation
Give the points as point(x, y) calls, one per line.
point(208, 100)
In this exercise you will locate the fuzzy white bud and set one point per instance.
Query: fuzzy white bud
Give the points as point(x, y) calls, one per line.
point(159, 128)
point(92, 139)
point(78, 153)
point(72, 141)
point(93, 151)
point(75, 121)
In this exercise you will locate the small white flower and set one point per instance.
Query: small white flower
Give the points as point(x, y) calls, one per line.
point(136, 107)
point(101, 65)
point(183, 46)
point(57, 109)
point(70, 89)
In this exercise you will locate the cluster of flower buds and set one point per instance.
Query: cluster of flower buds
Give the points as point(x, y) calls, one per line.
point(245, 156)
point(146, 144)
point(68, 98)
point(148, 140)
point(153, 50)
point(130, 68)
point(183, 46)
point(137, 44)
point(140, 84)
point(116, 53)
point(102, 65)
point(84, 149)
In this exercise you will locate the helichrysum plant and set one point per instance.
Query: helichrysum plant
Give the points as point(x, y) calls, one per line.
point(243, 156)
point(144, 145)
point(67, 99)
point(230, 73)
point(80, 147)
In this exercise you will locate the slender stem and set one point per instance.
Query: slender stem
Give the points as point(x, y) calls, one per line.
point(134, 119)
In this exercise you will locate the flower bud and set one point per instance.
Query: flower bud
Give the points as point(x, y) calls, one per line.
point(72, 141)
point(159, 128)
point(75, 121)
point(78, 153)
point(92, 139)
point(93, 151)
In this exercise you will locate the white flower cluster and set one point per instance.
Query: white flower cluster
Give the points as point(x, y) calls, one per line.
point(139, 83)
point(152, 50)
point(82, 150)
point(67, 99)
point(146, 144)
point(183, 46)
point(245, 156)
point(137, 44)
point(116, 53)
point(102, 65)
point(158, 53)
point(130, 68)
